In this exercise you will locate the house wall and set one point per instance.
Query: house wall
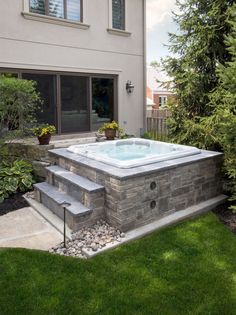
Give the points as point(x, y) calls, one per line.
point(31, 44)
point(156, 100)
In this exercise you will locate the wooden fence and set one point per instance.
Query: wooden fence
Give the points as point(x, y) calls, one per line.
point(156, 121)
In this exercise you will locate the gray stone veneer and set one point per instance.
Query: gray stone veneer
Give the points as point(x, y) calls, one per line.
point(138, 196)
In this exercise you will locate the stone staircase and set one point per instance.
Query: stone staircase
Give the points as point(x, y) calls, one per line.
point(85, 198)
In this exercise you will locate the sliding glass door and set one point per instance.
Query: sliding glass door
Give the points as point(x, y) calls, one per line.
point(46, 86)
point(74, 104)
point(102, 101)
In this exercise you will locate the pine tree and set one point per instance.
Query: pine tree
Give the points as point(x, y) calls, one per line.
point(199, 48)
point(216, 127)
point(224, 97)
point(226, 90)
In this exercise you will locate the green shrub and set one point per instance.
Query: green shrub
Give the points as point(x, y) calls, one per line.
point(202, 132)
point(126, 136)
point(15, 177)
point(153, 135)
point(216, 132)
point(18, 104)
point(227, 134)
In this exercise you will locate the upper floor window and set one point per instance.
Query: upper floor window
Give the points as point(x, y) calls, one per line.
point(64, 9)
point(118, 14)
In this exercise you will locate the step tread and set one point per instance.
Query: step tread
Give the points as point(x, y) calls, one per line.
point(49, 216)
point(77, 180)
point(68, 142)
point(76, 208)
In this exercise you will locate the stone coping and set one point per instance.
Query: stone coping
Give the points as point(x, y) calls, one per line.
point(124, 174)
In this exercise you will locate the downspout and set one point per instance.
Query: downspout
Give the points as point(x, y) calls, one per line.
point(144, 68)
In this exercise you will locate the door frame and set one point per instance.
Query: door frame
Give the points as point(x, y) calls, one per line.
point(57, 91)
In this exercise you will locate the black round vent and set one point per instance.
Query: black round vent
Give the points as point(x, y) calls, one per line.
point(153, 204)
point(153, 185)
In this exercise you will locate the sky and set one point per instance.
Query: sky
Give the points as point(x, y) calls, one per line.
point(159, 23)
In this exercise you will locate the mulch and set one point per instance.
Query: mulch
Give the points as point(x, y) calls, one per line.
point(226, 216)
point(13, 203)
point(17, 201)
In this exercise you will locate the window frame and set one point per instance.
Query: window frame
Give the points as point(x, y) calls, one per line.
point(27, 14)
point(163, 100)
point(116, 31)
point(65, 2)
point(124, 17)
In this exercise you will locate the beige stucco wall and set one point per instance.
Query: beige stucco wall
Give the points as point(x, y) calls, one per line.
point(31, 44)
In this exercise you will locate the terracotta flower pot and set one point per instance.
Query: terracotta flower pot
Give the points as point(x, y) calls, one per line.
point(45, 139)
point(110, 134)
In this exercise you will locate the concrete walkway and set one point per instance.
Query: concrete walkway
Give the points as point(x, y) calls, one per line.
point(27, 229)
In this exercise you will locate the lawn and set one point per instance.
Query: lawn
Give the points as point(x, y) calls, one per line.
point(186, 269)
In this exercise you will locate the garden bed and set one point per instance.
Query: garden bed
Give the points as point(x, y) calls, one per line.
point(13, 203)
point(226, 216)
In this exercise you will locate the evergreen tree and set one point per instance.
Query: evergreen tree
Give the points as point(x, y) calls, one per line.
point(225, 93)
point(216, 127)
point(225, 112)
point(199, 48)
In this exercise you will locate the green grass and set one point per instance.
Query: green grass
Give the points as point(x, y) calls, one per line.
point(186, 269)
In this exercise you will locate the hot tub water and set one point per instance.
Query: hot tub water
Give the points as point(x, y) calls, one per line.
point(134, 152)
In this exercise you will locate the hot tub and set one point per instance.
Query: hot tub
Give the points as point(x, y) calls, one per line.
point(134, 152)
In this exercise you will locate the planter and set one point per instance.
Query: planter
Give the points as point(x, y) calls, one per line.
point(45, 139)
point(110, 134)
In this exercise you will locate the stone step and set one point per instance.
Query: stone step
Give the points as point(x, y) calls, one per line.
point(79, 181)
point(52, 198)
point(80, 135)
point(49, 216)
point(65, 143)
point(81, 188)
point(78, 164)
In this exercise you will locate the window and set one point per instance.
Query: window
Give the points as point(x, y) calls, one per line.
point(56, 8)
point(162, 101)
point(118, 14)
point(37, 6)
point(64, 9)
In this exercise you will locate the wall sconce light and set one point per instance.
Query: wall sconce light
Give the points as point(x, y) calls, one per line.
point(129, 87)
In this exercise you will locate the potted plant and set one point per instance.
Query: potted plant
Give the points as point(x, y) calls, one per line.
point(110, 130)
point(44, 133)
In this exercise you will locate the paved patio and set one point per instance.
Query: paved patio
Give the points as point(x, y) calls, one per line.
point(26, 228)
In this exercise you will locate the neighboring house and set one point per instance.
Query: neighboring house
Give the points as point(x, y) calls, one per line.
point(81, 53)
point(150, 104)
point(157, 87)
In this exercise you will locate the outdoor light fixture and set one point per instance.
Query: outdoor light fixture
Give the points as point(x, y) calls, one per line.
point(129, 87)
